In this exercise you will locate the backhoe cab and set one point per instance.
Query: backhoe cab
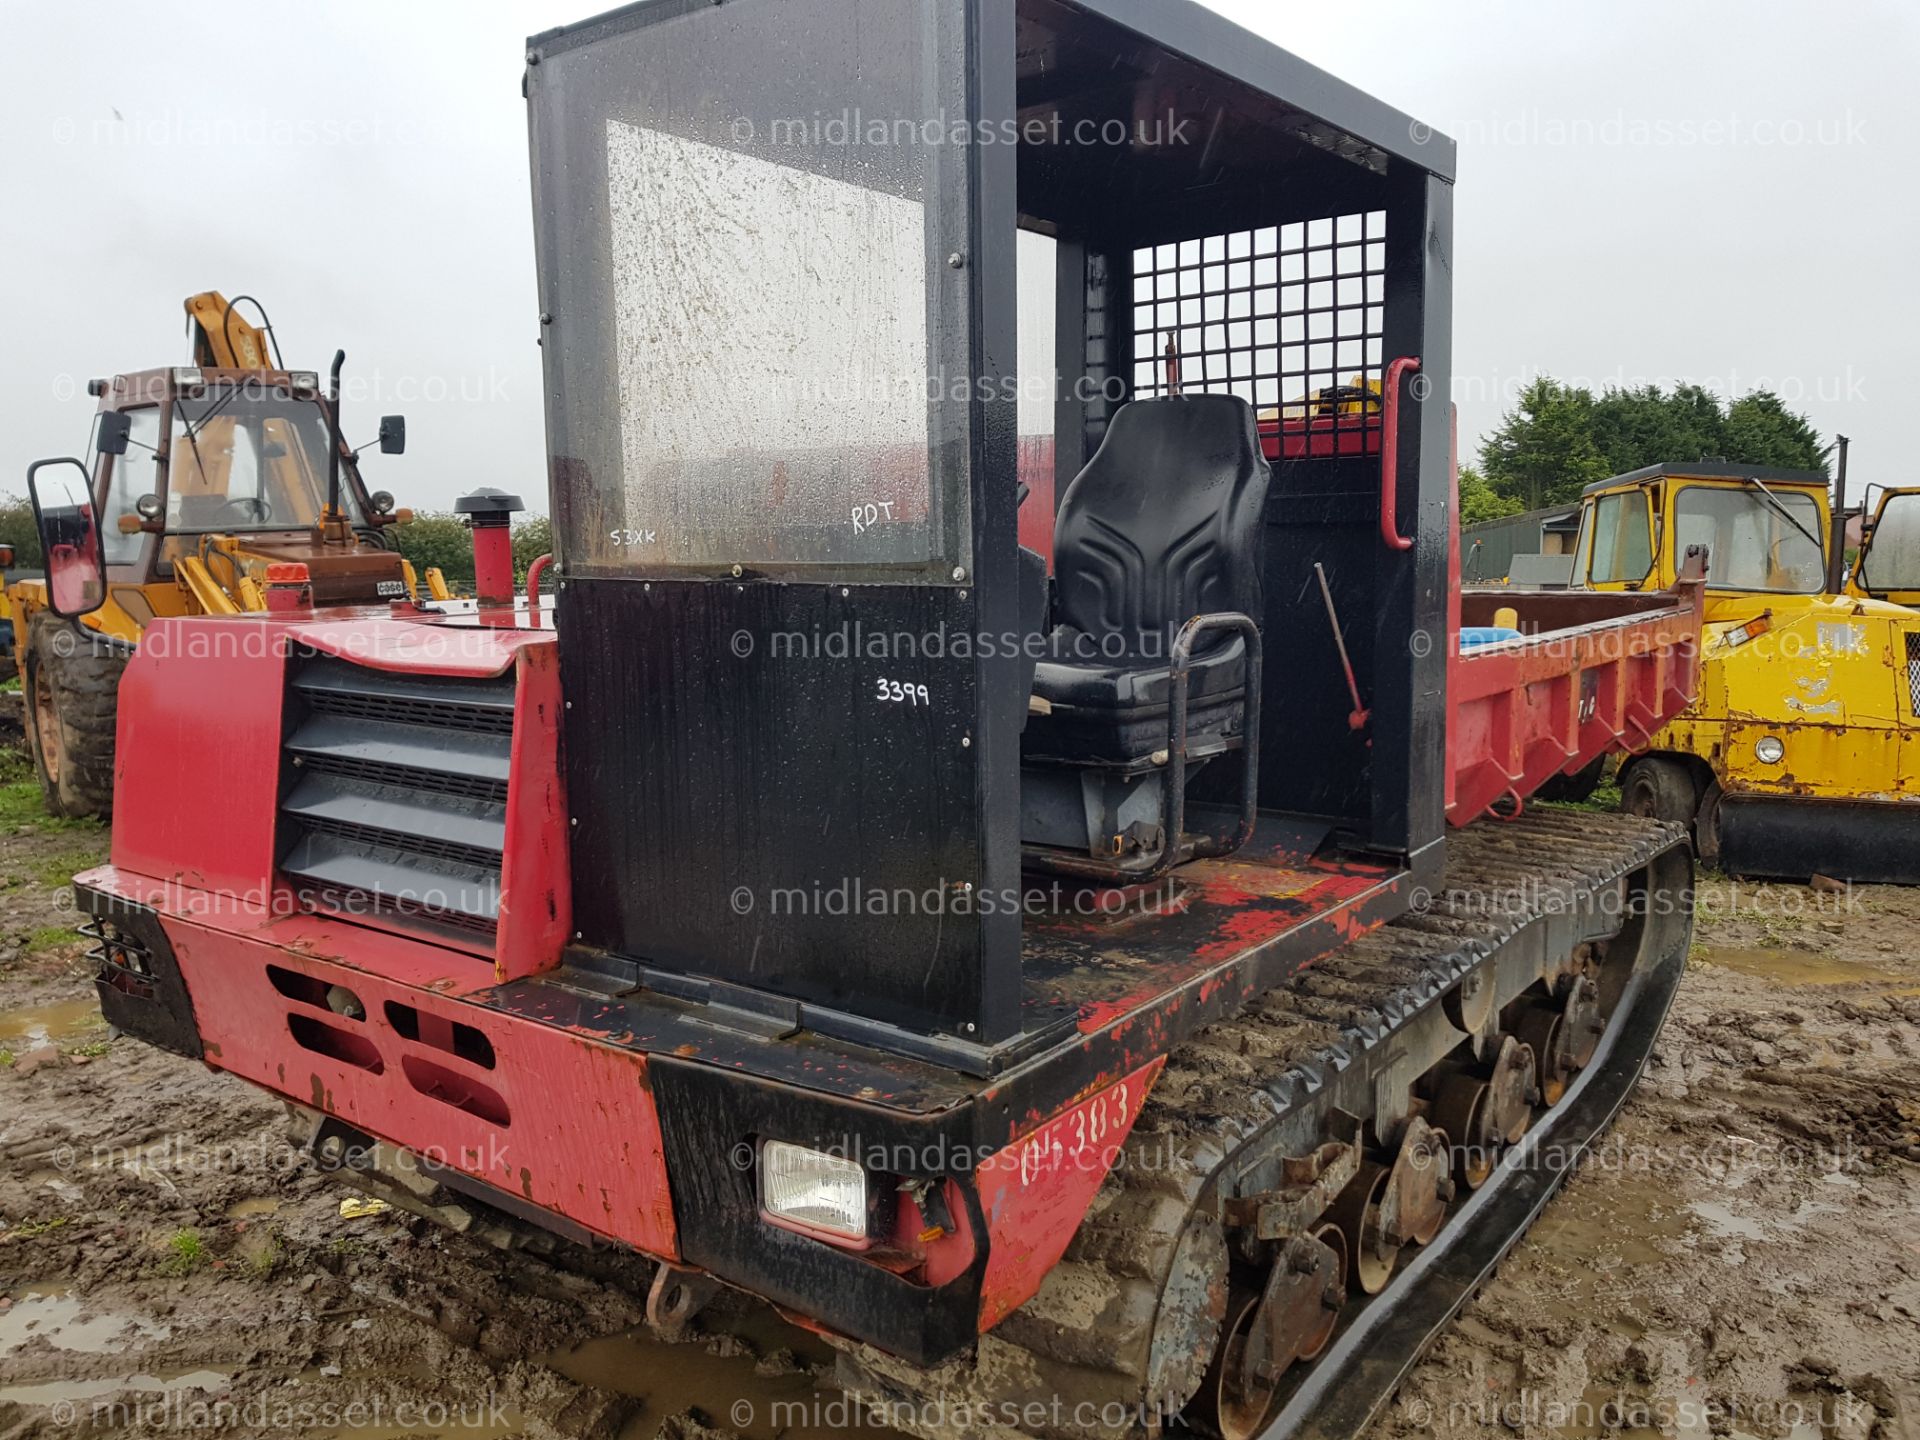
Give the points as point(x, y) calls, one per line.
point(201, 478)
point(1797, 758)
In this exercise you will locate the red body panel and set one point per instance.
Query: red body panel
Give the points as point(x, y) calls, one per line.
point(1036, 515)
point(536, 888)
point(1592, 673)
point(1523, 712)
point(562, 1121)
point(1320, 437)
point(1036, 1191)
point(199, 725)
point(422, 646)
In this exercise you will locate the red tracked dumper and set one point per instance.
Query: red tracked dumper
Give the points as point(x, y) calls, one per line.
point(1099, 1001)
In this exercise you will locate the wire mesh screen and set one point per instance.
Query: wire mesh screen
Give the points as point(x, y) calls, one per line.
point(1277, 316)
point(1913, 669)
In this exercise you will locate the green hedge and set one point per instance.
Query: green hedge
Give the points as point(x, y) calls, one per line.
point(432, 538)
point(16, 529)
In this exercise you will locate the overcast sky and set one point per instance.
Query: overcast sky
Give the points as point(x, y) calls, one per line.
point(1722, 192)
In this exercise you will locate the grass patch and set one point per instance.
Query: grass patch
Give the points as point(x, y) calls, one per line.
point(48, 936)
point(6, 1058)
point(57, 870)
point(21, 803)
point(186, 1252)
point(1605, 798)
point(92, 1050)
point(11, 683)
point(29, 1229)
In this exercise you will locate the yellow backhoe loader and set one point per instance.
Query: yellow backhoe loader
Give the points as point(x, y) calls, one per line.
point(200, 476)
point(1800, 755)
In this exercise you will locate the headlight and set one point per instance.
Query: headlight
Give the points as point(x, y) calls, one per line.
point(816, 1191)
point(1770, 749)
point(188, 377)
point(148, 507)
point(304, 379)
point(381, 501)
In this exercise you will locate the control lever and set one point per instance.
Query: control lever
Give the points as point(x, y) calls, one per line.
point(1358, 716)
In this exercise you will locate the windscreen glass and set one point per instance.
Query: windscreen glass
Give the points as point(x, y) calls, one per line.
point(753, 314)
point(242, 459)
point(1756, 540)
point(1892, 561)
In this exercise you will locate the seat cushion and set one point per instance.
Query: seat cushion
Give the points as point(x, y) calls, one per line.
point(1077, 672)
point(1115, 710)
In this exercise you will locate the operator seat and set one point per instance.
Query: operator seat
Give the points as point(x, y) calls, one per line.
point(1163, 524)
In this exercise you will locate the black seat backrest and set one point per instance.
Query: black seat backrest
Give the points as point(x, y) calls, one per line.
point(1164, 522)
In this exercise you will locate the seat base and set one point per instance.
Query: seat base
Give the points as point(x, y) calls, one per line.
point(1108, 813)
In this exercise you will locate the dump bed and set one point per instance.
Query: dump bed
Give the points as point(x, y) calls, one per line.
point(1572, 676)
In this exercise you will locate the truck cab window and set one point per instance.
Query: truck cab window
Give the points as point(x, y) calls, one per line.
point(1892, 561)
point(1622, 547)
point(132, 475)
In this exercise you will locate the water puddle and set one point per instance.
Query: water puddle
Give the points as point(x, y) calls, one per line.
point(737, 1391)
point(1723, 1224)
point(22, 1030)
point(74, 1392)
point(58, 1183)
point(67, 1322)
point(1598, 1242)
point(1798, 968)
point(254, 1207)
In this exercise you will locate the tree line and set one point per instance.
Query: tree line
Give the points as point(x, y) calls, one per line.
point(1558, 439)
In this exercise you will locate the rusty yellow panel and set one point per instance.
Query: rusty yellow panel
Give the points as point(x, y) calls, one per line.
point(1828, 682)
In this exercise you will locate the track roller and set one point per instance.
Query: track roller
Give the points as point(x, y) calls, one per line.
point(1290, 1321)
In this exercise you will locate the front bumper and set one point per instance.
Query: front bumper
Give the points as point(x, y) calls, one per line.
point(1870, 842)
point(553, 1117)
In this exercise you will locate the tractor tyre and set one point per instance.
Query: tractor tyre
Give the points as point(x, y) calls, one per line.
point(71, 686)
point(1575, 788)
point(1659, 789)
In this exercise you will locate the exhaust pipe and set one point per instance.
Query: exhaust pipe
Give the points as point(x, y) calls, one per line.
point(490, 515)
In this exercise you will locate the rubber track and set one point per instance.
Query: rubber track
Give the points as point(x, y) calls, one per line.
point(1086, 1335)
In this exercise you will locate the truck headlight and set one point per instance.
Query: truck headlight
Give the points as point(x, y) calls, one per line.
point(1770, 749)
point(813, 1190)
point(188, 377)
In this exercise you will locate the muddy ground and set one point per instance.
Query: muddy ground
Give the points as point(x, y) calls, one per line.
point(1742, 1259)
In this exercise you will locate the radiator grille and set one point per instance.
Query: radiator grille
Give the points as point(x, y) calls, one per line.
point(1913, 670)
point(413, 710)
point(394, 794)
point(476, 787)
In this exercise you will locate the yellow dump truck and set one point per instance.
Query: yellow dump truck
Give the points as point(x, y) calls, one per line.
point(200, 476)
point(1800, 756)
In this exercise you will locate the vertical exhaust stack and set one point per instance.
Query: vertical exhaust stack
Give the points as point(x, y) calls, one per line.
point(1837, 542)
point(490, 514)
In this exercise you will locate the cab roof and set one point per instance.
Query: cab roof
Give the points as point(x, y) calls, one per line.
point(1711, 470)
point(1326, 112)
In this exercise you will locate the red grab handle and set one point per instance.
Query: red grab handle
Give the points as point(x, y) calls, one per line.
point(534, 572)
point(1390, 452)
